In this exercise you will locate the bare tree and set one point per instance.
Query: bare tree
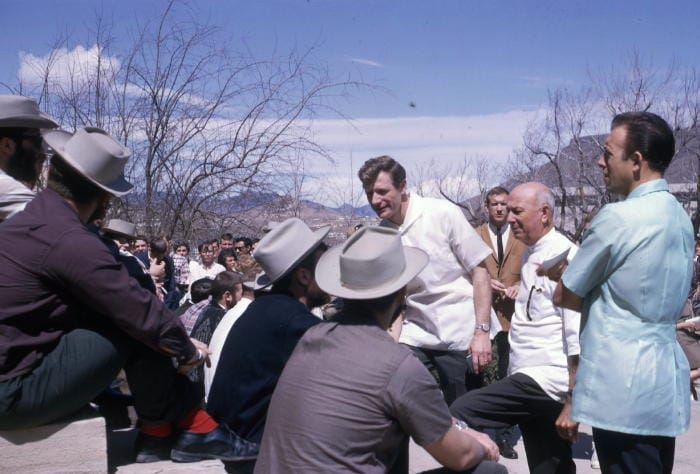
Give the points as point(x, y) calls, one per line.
point(205, 122)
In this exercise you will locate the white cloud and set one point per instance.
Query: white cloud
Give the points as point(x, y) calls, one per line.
point(415, 141)
point(365, 62)
point(66, 67)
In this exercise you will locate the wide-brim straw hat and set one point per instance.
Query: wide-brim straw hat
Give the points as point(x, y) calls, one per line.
point(285, 246)
point(120, 227)
point(95, 155)
point(372, 263)
point(23, 112)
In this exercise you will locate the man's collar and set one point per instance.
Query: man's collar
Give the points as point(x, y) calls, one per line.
point(651, 186)
point(494, 229)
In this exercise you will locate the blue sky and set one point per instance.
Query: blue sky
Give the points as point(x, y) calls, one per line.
point(470, 65)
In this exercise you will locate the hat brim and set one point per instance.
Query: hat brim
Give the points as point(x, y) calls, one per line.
point(319, 235)
point(57, 139)
point(29, 121)
point(117, 233)
point(261, 282)
point(328, 275)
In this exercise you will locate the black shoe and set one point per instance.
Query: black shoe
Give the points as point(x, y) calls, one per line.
point(506, 449)
point(220, 443)
point(153, 448)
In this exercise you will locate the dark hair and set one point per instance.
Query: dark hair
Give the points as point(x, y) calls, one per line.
point(225, 281)
point(201, 289)
point(246, 241)
point(308, 262)
point(24, 166)
point(648, 134)
point(203, 245)
point(370, 170)
point(495, 191)
point(224, 254)
point(183, 244)
point(70, 184)
point(159, 246)
point(226, 236)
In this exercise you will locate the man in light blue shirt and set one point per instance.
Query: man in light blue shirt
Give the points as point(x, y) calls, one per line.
point(631, 278)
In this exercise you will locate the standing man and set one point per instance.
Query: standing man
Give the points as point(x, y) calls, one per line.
point(449, 302)
point(631, 279)
point(544, 346)
point(21, 154)
point(503, 266)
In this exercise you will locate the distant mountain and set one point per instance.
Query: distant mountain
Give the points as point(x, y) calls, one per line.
point(362, 211)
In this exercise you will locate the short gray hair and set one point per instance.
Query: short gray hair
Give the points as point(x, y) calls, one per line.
point(545, 196)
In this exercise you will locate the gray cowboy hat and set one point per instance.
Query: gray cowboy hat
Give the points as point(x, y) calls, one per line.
point(23, 112)
point(95, 155)
point(372, 263)
point(120, 227)
point(260, 282)
point(285, 246)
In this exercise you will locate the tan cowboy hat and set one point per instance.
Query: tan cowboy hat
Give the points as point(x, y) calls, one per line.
point(372, 263)
point(95, 155)
point(281, 249)
point(120, 227)
point(23, 112)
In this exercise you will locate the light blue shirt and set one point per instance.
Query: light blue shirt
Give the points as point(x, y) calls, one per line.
point(633, 271)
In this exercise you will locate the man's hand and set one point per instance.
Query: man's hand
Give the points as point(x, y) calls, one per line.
point(481, 350)
point(566, 427)
point(490, 447)
point(555, 272)
point(200, 357)
point(497, 286)
point(512, 292)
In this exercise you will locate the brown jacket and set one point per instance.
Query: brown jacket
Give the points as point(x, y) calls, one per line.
point(508, 273)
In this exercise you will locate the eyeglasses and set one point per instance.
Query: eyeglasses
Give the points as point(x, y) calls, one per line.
point(529, 298)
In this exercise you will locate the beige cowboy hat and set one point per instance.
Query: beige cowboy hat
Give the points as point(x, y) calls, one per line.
point(95, 155)
point(372, 263)
point(23, 112)
point(281, 249)
point(120, 227)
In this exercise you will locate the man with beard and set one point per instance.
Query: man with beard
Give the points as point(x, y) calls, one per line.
point(21, 154)
point(71, 317)
point(262, 340)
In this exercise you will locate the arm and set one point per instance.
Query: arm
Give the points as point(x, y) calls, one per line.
point(459, 450)
point(481, 343)
point(566, 427)
point(566, 298)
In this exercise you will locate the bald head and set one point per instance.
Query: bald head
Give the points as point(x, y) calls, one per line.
point(530, 207)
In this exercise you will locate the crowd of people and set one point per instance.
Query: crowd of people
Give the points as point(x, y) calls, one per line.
point(282, 355)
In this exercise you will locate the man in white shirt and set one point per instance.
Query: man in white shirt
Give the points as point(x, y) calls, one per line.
point(544, 345)
point(448, 305)
point(208, 268)
point(218, 339)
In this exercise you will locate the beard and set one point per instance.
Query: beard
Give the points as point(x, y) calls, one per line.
point(25, 165)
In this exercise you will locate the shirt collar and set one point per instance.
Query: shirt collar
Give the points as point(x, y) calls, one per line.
point(652, 186)
point(537, 246)
point(504, 228)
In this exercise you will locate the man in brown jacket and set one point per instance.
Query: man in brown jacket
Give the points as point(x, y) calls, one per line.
point(503, 266)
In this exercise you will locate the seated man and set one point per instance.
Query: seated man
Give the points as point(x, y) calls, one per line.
point(350, 394)
point(263, 338)
point(72, 317)
point(544, 345)
point(226, 292)
point(21, 155)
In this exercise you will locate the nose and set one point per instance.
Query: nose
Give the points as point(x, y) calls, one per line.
point(510, 218)
point(375, 200)
point(601, 161)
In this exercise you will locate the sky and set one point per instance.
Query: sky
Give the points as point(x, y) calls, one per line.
point(454, 78)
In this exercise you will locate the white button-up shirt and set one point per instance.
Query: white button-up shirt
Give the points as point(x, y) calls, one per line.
point(440, 306)
point(542, 335)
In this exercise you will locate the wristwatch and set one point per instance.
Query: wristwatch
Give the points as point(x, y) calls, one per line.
point(461, 425)
point(486, 327)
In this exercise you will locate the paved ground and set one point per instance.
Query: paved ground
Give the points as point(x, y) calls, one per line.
point(687, 459)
